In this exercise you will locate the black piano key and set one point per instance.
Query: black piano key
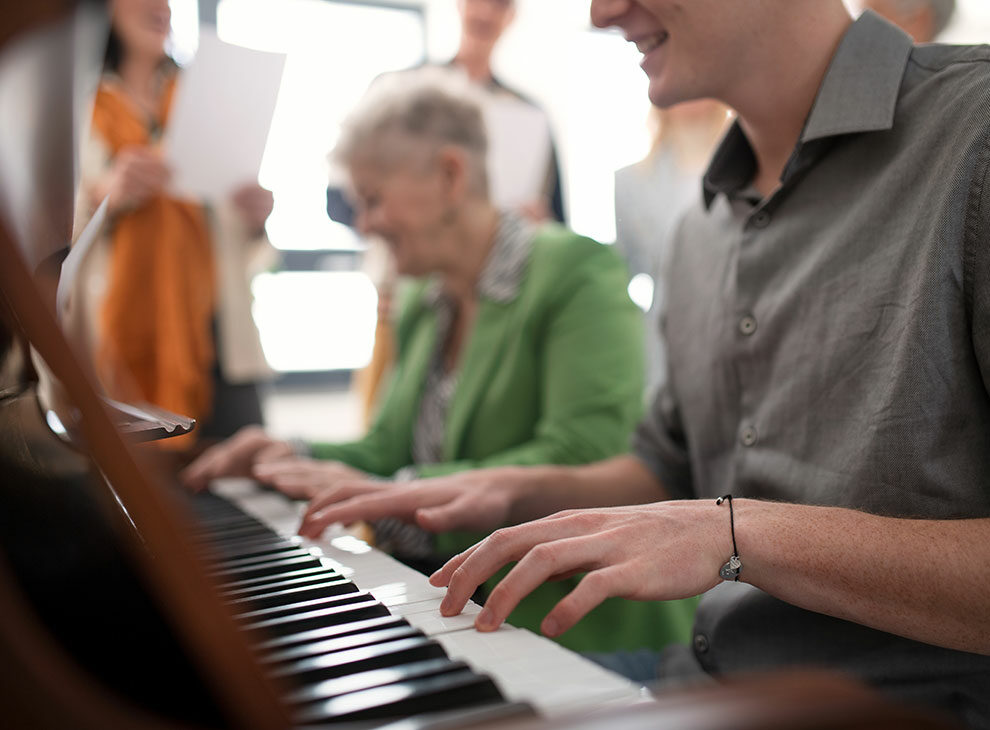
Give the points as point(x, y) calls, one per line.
point(309, 696)
point(341, 643)
point(301, 607)
point(285, 625)
point(278, 584)
point(313, 627)
point(243, 560)
point(330, 632)
point(362, 659)
point(501, 714)
point(272, 567)
point(242, 543)
point(237, 532)
point(448, 690)
point(244, 583)
point(215, 524)
point(251, 549)
point(295, 594)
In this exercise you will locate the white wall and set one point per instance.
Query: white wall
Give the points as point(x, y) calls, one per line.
point(971, 23)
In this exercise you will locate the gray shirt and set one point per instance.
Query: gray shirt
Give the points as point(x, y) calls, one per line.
point(830, 344)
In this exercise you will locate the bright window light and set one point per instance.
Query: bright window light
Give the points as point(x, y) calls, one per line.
point(334, 50)
point(316, 320)
point(606, 127)
point(641, 291)
point(184, 39)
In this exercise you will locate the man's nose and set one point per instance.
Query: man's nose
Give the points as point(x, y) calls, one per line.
point(605, 13)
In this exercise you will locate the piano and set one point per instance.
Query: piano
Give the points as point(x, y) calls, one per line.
point(125, 603)
point(358, 635)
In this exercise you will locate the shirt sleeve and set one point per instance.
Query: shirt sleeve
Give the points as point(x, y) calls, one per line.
point(659, 443)
point(977, 266)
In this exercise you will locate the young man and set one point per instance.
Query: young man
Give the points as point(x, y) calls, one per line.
point(828, 322)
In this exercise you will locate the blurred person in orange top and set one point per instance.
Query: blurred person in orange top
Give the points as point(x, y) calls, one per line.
point(166, 298)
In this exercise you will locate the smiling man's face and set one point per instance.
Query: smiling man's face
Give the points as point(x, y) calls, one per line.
point(691, 48)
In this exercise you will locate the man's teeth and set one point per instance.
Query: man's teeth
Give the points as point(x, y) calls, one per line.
point(645, 45)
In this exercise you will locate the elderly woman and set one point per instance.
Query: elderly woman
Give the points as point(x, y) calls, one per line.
point(516, 344)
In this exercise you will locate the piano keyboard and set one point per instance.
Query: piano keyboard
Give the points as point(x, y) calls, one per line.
point(357, 636)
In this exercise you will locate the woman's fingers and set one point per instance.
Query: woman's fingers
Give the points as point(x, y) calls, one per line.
point(275, 451)
point(348, 503)
point(232, 457)
point(460, 512)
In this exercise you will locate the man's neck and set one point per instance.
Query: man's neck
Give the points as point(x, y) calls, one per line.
point(773, 104)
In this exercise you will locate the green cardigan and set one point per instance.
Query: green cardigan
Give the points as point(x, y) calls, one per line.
point(554, 376)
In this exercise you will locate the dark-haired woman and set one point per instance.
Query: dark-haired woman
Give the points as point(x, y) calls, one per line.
point(167, 304)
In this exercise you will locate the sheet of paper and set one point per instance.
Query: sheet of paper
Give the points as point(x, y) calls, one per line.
point(73, 262)
point(221, 114)
point(518, 151)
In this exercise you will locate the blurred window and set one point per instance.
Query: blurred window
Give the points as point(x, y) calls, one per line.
point(318, 313)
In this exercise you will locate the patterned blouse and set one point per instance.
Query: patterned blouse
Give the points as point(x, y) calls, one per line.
point(500, 280)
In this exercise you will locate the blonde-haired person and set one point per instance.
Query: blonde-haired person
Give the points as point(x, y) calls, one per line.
point(923, 20)
point(517, 343)
point(652, 195)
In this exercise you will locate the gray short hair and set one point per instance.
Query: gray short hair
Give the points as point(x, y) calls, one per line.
point(408, 113)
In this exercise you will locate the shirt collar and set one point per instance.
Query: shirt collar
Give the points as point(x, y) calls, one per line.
point(505, 266)
point(858, 94)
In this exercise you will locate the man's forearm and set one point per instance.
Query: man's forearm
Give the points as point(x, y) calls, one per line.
point(923, 579)
point(622, 480)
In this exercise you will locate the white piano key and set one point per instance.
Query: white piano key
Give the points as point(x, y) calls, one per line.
point(527, 667)
point(432, 623)
point(534, 669)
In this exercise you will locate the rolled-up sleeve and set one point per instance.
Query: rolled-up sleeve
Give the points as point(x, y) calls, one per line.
point(659, 443)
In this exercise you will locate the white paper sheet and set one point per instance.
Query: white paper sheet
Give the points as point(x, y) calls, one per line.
point(220, 118)
point(518, 151)
point(69, 273)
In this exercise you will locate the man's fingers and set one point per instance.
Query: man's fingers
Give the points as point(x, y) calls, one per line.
point(539, 565)
point(441, 577)
point(594, 588)
point(501, 547)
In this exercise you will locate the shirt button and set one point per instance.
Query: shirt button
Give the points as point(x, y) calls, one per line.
point(747, 325)
point(761, 219)
point(700, 643)
point(748, 435)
